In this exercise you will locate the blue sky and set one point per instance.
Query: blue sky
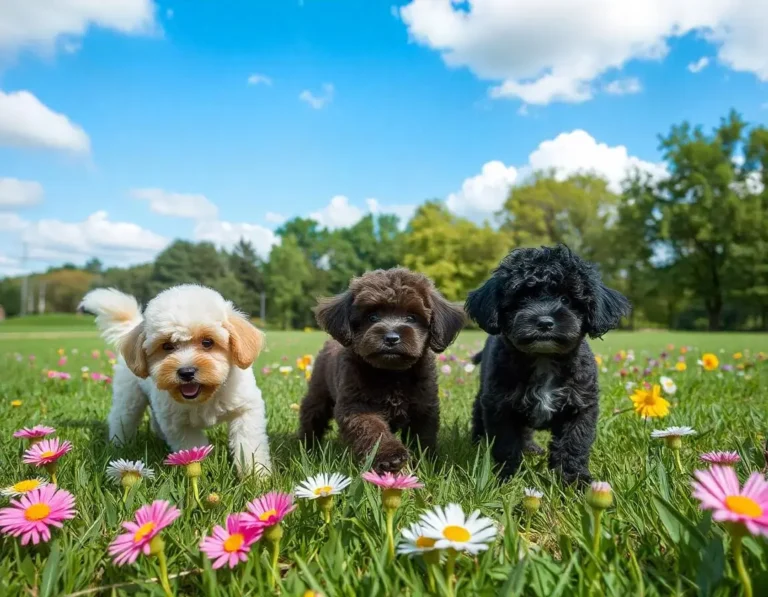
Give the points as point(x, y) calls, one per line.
point(437, 100)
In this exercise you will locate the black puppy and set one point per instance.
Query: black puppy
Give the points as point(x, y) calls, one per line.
point(538, 371)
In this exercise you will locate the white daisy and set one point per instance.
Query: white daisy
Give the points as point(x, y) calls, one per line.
point(629, 386)
point(668, 385)
point(672, 432)
point(469, 368)
point(133, 469)
point(534, 493)
point(415, 542)
point(322, 485)
point(453, 530)
point(23, 487)
point(84, 369)
point(285, 369)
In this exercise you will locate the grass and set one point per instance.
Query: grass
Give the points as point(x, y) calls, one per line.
point(655, 539)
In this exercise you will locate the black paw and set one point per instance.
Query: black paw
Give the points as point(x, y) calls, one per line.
point(580, 478)
point(533, 448)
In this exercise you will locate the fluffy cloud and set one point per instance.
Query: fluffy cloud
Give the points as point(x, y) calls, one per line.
point(19, 193)
point(179, 205)
point(26, 122)
point(623, 86)
point(10, 222)
point(339, 213)
point(403, 211)
point(40, 24)
point(502, 41)
point(699, 65)
point(228, 234)
point(9, 266)
point(318, 101)
point(568, 153)
point(485, 193)
point(256, 79)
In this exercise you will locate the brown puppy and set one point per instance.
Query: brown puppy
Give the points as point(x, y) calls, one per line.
point(377, 376)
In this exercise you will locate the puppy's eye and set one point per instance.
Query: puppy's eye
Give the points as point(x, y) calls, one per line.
point(565, 300)
point(410, 318)
point(207, 343)
point(373, 318)
point(168, 347)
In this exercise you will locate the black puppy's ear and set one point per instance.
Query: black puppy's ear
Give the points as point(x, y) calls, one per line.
point(483, 306)
point(447, 321)
point(610, 307)
point(333, 315)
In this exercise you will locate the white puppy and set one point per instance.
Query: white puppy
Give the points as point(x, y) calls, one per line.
point(189, 356)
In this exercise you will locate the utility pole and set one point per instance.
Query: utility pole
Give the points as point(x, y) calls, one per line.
point(263, 309)
point(24, 281)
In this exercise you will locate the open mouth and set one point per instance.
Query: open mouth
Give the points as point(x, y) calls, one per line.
point(190, 391)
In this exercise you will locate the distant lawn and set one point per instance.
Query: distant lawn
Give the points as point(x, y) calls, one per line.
point(52, 322)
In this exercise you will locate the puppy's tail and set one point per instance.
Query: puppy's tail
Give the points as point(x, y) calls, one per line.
point(478, 358)
point(117, 313)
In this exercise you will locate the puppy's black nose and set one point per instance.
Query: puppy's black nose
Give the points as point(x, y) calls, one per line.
point(545, 323)
point(186, 373)
point(392, 339)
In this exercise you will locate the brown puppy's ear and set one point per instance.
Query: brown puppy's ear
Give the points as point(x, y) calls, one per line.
point(132, 349)
point(333, 314)
point(447, 321)
point(245, 341)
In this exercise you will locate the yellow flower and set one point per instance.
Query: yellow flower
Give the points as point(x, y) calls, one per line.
point(649, 403)
point(16, 403)
point(295, 407)
point(709, 361)
point(308, 373)
point(61, 352)
point(737, 355)
point(623, 355)
point(307, 329)
point(681, 366)
point(304, 362)
point(598, 360)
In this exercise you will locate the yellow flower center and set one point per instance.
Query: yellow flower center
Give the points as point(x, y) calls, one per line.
point(234, 542)
point(456, 533)
point(37, 512)
point(47, 454)
point(268, 514)
point(143, 531)
point(25, 486)
point(425, 542)
point(324, 490)
point(744, 506)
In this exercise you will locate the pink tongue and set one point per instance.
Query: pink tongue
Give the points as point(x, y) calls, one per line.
point(190, 389)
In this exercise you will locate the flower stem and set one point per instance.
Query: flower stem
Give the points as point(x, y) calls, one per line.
point(742, 570)
point(450, 567)
point(679, 464)
point(391, 533)
point(275, 556)
point(431, 577)
point(598, 531)
point(164, 574)
point(196, 492)
point(527, 536)
point(126, 489)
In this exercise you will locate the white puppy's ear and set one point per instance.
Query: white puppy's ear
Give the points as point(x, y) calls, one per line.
point(245, 341)
point(132, 349)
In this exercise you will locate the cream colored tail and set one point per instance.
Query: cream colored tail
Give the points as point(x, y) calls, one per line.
point(117, 313)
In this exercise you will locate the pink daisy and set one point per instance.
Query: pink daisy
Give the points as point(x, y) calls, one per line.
point(718, 490)
point(33, 514)
point(269, 509)
point(390, 481)
point(46, 452)
point(149, 521)
point(231, 545)
point(186, 457)
point(721, 458)
point(36, 432)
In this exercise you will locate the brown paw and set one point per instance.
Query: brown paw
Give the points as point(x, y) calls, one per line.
point(390, 458)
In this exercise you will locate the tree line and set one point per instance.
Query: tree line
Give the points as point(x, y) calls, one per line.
point(690, 248)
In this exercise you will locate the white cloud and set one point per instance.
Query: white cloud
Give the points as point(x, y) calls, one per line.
point(11, 222)
point(228, 234)
point(485, 193)
point(9, 266)
point(19, 193)
point(26, 122)
point(568, 153)
point(540, 58)
point(274, 218)
point(339, 213)
point(699, 65)
point(179, 205)
point(623, 86)
point(318, 101)
point(403, 211)
point(256, 79)
point(40, 24)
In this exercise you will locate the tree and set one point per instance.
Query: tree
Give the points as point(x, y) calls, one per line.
point(247, 267)
point(288, 276)
point(456, 253)
point(94, 265)
point(705, 211)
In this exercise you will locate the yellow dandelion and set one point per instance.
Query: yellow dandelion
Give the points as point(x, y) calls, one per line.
point(598, 360)
point(681, 366)
point(304, 362)
point(61, 352)
point(737, 356)
point(16, 403)
point(709, 361)
point(650, 403)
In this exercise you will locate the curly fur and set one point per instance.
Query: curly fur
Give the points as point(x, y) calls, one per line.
point(377, 376)
point(538, 371)
point(185, 328)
